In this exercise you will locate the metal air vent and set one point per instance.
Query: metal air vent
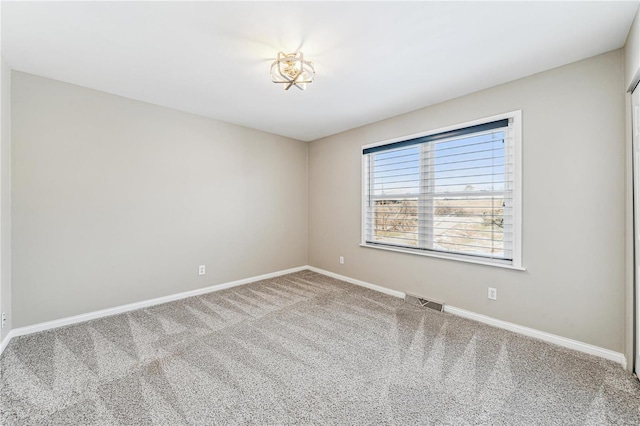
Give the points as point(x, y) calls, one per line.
point(420, 301)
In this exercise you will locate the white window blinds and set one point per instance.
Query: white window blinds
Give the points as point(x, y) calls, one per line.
point(450, 192)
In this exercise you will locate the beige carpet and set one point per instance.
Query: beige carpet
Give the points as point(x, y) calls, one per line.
point(304, 349)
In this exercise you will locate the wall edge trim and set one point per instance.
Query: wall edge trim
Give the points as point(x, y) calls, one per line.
point(385, 290)
point(6, 341)
point(526, 331)
point(48, 325)
point(516, 328)
point(541, 335)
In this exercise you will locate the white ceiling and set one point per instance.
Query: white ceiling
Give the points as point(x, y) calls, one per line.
point(373, 60)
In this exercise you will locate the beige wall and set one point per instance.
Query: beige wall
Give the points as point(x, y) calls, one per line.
point(632, 54)
point(631, 76)
point(573, 206)
point(5, 196)
point(117, 201)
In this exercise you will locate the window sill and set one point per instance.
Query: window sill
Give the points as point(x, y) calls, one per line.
point(459, 258)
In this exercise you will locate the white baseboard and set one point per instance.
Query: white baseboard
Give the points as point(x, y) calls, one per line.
point(541, 335)
point(375, 287)
point(547, 337)
point(21, 331)
point(6, 341)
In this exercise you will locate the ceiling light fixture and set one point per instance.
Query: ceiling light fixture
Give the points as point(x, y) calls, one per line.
point(291, 69)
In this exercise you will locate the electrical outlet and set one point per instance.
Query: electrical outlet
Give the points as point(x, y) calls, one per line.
point(493, 294)
point(342, 260)
point(4, 319)
point(201, 270)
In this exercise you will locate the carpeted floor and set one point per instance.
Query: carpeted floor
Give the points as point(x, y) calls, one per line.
point(304, 349)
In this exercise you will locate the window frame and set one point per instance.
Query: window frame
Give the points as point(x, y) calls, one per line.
point(516, 262)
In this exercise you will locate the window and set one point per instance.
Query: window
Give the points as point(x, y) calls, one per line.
point(450, 193)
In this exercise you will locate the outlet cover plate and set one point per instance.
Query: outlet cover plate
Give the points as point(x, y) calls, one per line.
point(492, 293)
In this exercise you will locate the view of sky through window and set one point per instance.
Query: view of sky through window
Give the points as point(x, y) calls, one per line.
point(470, 163)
